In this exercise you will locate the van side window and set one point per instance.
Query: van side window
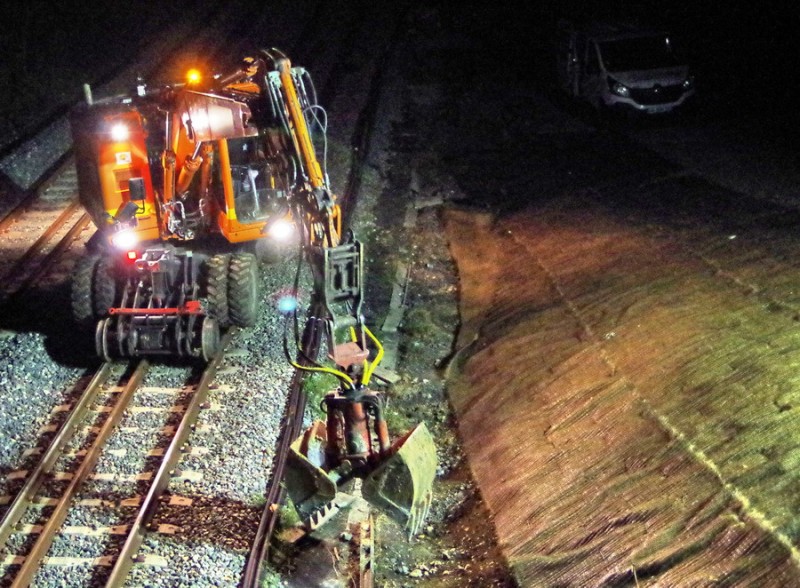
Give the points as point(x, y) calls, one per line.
point(592, 62)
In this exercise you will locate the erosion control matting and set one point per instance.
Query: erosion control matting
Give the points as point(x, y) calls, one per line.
point(630, 415)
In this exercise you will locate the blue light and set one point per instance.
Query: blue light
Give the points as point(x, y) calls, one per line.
point(287, 304)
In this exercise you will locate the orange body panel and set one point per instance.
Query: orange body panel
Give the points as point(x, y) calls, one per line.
point(120, 160)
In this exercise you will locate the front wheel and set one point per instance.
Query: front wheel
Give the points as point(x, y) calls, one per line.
point(93, 289)
point(217, 288)
point(243, 289)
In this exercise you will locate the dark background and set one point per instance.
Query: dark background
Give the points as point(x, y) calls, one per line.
point(745, 56)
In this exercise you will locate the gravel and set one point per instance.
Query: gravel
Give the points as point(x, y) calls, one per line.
point(31, 386)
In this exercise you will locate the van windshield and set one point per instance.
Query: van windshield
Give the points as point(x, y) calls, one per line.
point(639, 53)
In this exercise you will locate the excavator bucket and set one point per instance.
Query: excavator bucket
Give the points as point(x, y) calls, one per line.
point(402, 486)
point(307, 483)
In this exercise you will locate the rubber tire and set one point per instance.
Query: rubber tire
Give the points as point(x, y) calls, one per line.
point(93, 289)
point(243, 289)
point(104, 288)
point(268, 252)
point(217, 288)
point(81, 290)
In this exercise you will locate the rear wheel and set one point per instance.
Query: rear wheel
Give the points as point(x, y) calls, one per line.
point(217, 288)
point(243, 290)
point(93, 289)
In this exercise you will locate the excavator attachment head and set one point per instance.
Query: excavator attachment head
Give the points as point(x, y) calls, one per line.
point(402, 485)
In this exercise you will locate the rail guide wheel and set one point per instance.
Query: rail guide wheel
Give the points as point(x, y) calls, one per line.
point(209, 338)
point(101, 340)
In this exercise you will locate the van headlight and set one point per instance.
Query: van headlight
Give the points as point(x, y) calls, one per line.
point(688, 83)
point(618, 88)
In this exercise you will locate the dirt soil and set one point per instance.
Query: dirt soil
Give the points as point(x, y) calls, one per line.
point(403, 228)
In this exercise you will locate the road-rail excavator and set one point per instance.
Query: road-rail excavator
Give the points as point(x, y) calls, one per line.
point(186, 184)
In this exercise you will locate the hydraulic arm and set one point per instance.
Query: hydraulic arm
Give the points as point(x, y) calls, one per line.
point(354, 441)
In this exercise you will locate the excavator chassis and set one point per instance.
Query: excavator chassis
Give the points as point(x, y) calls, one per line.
point(159, 311)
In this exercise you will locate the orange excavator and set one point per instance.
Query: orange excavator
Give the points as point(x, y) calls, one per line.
point(189, 185)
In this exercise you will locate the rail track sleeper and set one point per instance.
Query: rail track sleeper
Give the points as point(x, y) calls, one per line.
point(34, 559)
point(53, 452)
point(129, 552)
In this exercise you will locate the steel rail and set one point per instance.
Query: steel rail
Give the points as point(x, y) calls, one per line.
point(290, 429)
point(34, 559)
point(55, 450)
point(45, 181)
point(366, 553)
point(147, 510)
point(52, 256)
point(40, 242)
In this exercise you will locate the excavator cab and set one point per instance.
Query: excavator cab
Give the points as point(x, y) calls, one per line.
point(257, 190)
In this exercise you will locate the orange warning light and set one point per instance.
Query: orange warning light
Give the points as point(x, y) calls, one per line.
point(193, 76)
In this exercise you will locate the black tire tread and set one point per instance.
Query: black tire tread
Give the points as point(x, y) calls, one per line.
point(81, 289)
point(104, 288)
point(217, 288)
point(243, 289)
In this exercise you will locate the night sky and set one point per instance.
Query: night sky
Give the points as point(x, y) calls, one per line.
point(745, 56)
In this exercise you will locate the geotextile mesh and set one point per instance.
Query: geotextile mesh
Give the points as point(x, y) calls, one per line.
point(627, 412)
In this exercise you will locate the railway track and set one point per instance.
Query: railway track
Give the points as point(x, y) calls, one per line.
point(58, 242)
point(67, 465)
point(39, 231)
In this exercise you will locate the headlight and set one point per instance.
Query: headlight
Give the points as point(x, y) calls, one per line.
point(281, 230)
point(688, 83)
point(119, 132)
point(124, 240)
point(618, 88)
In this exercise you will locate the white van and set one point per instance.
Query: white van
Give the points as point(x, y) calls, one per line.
point(622, 67)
